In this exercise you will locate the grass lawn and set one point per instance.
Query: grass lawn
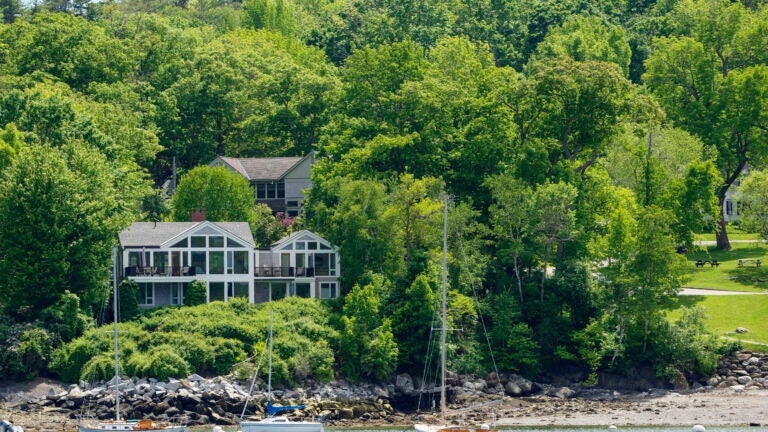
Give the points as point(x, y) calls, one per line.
point(728, 275)
point(733, 234)
point(727, 312)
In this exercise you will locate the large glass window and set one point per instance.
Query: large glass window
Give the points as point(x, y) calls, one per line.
point(327, 290)
point(160, 261)
point(198, 262)
point(240, 262)
point(216, 261)
point(216, 241)
point(146, 295)
point(198, 241)
point(177, 294)
point(238, 289)
point(215, 291)
point(303, 290)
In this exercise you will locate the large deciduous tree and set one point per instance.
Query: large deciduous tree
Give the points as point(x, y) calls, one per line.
point(712, 80)
point(60, 218)
point(225, 196)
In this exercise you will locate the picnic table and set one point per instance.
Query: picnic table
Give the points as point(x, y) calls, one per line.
point(712, 263)
point(755, 262)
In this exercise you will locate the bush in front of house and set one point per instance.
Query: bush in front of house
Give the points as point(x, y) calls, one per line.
point(196, 293)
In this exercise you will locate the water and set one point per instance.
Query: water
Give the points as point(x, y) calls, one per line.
point(531, 429)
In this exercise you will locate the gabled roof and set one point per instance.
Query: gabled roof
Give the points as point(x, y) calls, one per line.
point(255, 169)
point(151, 234)
point(303, 235)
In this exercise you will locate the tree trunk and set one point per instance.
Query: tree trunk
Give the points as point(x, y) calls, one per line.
point(721, 234)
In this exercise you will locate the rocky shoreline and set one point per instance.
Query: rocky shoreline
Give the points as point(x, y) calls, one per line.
point(736, 395)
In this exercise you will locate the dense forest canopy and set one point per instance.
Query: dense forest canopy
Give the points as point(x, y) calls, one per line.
point(580, 142)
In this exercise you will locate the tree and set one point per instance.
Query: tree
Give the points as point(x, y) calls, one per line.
point(60, 217)
point(512, 220)
point(712, 81)
point(226, 196)
point(11, 142)
point(753, 199)
point(553, 205)
point(587, 38)
point(367, 348)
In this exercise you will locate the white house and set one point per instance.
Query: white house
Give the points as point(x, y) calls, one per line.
point(165, 257)
point(278, 182)
point(302, 265)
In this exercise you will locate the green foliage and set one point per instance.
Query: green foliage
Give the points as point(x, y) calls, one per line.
point(367, 348)
point(225, 196)
point(27, 348)
point(65, 317)
point(161, 362)
point(514, 348)
point(753, 197)
point(99, 367)
point(196, 293)
point(59, 203)
point(129, 300)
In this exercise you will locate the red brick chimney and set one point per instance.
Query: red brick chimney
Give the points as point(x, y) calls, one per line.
point(197, 215)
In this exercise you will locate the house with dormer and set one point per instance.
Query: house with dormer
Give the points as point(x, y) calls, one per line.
point(165, 257)
point(279, 182)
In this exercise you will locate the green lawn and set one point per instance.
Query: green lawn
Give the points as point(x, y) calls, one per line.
point(727, 312)
point(733, 234)
point(728, 275)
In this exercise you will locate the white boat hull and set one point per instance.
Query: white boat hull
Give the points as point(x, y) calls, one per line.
point(131, 426)
point(280, 424)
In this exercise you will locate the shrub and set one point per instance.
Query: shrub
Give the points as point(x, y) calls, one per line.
point(26, 348)
point(195, 294)
point(161, 363)
point(129, 300)
point(100, 367)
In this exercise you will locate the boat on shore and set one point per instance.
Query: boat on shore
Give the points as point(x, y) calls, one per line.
point(273, 422)
point(118, 424)
point(443, 426)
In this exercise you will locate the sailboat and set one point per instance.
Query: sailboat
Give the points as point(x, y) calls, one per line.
point(444, 426)
point(118, 424)
point(277, 423)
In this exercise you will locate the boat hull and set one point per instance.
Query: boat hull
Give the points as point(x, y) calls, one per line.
point(132, 426)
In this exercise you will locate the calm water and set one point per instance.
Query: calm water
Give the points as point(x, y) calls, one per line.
point(552, 429)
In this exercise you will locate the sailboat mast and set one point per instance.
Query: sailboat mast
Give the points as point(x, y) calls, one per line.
point(114, 312)
point(269, 380)
point(443, 311)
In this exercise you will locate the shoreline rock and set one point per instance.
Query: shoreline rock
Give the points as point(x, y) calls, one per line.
point(220, 400)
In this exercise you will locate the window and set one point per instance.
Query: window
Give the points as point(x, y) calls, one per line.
point(278, 291)
point(327, 290)
point(198, 241)
point(312, 245)
point(302, 290)
point(729, 207)
point(270, 190)
point(216, 241)
point(198, 262)
point(215, 291)
point(237, 289)
point(292, 203)
point(160, 260)
point(181, 244)
point(146, 295)
point(240, 262)
point(232, 243)
point(216, 260)
point(299, 245)
point(177, 294)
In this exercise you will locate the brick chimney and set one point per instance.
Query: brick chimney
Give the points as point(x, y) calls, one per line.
point(197, 215)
